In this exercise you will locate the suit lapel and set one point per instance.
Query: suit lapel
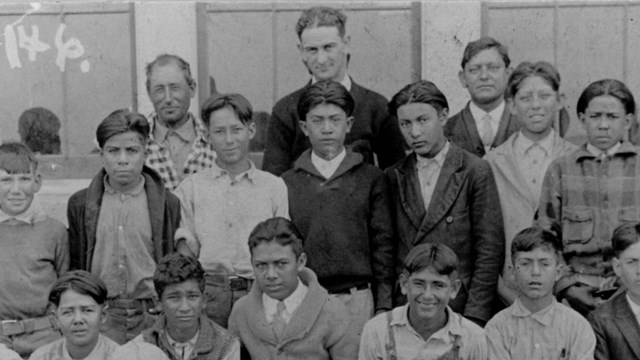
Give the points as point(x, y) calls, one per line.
point(449, 183)
point(505, 122)
point(627, 323)
point(409, 189)
point(472, 129)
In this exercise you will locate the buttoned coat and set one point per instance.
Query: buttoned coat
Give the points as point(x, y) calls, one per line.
point(617, 331)
point(461, 130)
point(464, 214)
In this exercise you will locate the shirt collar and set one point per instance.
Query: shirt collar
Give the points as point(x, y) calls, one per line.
point(496, 114)
point(219, 172)
point(187, 132)
point(200, 129)
point(346, 81)
point(610, 152)
point(523, 143)
point(543, 316)
point(423, 162)
point(315, 159)
point(132, 192)
point(191, 342)
point(401, 318)
point(291, 303)
point(33, 214)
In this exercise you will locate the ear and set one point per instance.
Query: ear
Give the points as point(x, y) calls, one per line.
point(462, 79)
point(349, 123)
point(617, 267)
point(561, 99)
point(455, 288)
point(192, 89)
point(512, 106)
point(347, 41)
point(559, 271)
point(37, 180)
point(443, 115)
point(252, 129)
point(508, 70)
point(581, 116)
point(303, 127)
point(104, 315)
point(629, 119)
point(302, 261)
point(404, 283)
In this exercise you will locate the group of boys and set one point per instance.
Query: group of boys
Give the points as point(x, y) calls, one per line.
point(296, 260)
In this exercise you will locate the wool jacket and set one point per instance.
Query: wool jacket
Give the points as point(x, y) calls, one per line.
point(320, 328)
point(373, 131)
point(617, 331)
point(83, 211)
point(463, 214)
point(213, 343)
point(345, 223)
point(461, 130)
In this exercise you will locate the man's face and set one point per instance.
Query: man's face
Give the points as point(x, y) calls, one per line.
point(536, 105)
point(230, 137)
point(327, 126)
point(605, 121)
point(17, 191)
point(627, 268)
point(182, 305)
point(485, 76)
point(170, 94)
point(324, 52)
point(428, 294)
point(276, 269)
point(536, 271)
point(80, 319)
point(421, 127)
point(123, 157)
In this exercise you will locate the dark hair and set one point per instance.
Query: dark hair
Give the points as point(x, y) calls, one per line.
point(542, 69)
point(82, 282)
point(120, 122)
point(535, 237)
point(610, 87)
point(38, 128)
point(422, 91)
point(277, 229)
point(236, 102)
point(17, 158)
point(319, 16)
point(175, 269)
point(440, 257)
point(324, 92)
point(624, 236)
point(474, 47)
point(165, 59)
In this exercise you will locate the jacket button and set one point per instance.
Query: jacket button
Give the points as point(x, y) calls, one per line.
point(449, 219)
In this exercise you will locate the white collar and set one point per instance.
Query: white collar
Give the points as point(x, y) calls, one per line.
point(328, 167)
point(635, 308)
point(523, 143)
point(496, 114)
point(346, 81)
point(291, 303)
point(439, 158)
point(610, 152)
point(34, 213)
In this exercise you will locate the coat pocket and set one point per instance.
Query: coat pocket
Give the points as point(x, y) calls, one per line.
point(577, 226)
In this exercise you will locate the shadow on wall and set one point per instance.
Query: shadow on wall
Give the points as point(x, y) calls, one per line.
point(38, 128)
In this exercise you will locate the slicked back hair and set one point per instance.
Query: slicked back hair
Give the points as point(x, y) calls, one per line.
point(17, 158)
point(474, 47)
point(324, 92)
point(610, 87)
point(175, 269)
point(422, 91)
point(120, 122)
point(319, 16)
point(624, 236)
point(276, 229)
point(541, 69)
point(439, 257)
point(82, 282)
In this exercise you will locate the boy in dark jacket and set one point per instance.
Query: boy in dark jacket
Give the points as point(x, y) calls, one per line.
point(340, 204)
point(123, 223)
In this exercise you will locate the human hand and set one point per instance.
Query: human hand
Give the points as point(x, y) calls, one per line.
point(581, 298)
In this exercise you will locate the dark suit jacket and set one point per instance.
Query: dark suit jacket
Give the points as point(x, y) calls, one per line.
point(464, 214)
point(373, 131)
point(461, 130)
point(616, 329)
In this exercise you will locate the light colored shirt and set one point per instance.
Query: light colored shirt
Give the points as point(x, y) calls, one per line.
point(219, 214)
point(410, 345)
point(346, 81)
point(428, 173)
point(123, 252)
point(140, 350)
point(33, 214)
point(57, 350)
point(495, 115)
point(597, 152)
point(6, 354)
point(183, 349)
point(327, 167)
point(177, 141)
point(534, 159)
point(635, 308)
point(516, 333)
point(291, 303)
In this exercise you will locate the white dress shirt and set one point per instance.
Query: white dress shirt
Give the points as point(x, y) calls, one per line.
point(428, 173)
point(495, 114)
point(327, 167)
point(534, 158)
point(291, 303)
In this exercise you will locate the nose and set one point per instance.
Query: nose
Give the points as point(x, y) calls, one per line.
point(322, 56)
point(77, 316)
point(15, 186)
point(535, 268)
point(167, 95)
point(271, 272)
point(123, 158)
point(535, 102)
point(326, 127)
point(415, 130)
point(427, 293)
point(184, 305)
point(228, 137)
point(484, 72)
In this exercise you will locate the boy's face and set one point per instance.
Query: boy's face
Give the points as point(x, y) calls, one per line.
point(605, 121)
point(182, 305)
point(428, 293)
point(326, 126)
point(80, 318)
point(421, 127)
point(536, 271)
point(123, 157)
point(17, 191)
point(276, 268)
point(229, 136)
point(536, 105)
point(627, 267)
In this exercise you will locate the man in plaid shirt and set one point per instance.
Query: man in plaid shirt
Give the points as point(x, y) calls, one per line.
point(178, 143)
point(590, 192)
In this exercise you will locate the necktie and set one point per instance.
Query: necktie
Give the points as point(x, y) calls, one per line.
point(181, 348)
point(278, 322)
point(486, 130)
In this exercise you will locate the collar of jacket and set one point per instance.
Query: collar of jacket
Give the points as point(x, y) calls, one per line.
point(207, 337)
point(351, 160)
point(626, 149)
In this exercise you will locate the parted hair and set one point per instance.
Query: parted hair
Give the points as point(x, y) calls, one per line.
point(526, 69)
point(236, 102)
point(324, 92)
point(120, 122)
point(319, 16)
point(422, 91)
point(604, 87)
point(624, 236)
point(277, 229)
point(474, 47)
point(439, 257)
point(82, 282)
point(175, 269)
point(533, 238)
point(165, 59)
point(17, 158)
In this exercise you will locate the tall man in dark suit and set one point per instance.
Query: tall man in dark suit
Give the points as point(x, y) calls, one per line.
point(485, 122)
point(324, 47)
point(442, 194)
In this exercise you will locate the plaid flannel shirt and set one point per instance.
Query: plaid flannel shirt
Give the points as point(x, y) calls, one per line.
point(589, 197)
point(200, 157)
